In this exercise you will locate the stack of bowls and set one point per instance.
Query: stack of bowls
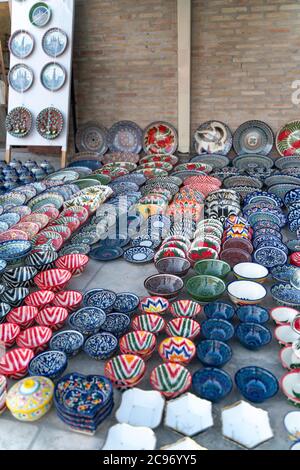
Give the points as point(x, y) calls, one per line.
point(236, 242)
point(222, 204)
point(207, 241)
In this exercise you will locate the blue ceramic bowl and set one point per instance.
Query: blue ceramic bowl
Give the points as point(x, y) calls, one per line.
point(50, 364)
point(3, 265)
point(220, 330)
point(256, 384)
point(211, 384)
point(100, 298)
point(20, 277)
point(116, 323)
point(14, 250)
point(219, 311)
point(10, 218)
point(213, 353)
point(69, 341)
point(101, 346)
point(283, 273)
point(87, 320)
point(253, 336)
point(126, 302)
point(15, 297)
point(41, 259)
point(4, 310)
point(252, 314)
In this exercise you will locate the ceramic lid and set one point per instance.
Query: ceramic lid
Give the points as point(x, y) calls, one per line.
point(30, 394)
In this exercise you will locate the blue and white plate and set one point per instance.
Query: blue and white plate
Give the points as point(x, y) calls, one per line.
point(265, 224)
point(270, 256)
point(257, 240)
point(101, 346)
point(139, 254)
point(101, 298)
point(103, 253)
point(292, 196)
point(286, 295)
point(283, 273)
point(10, 218)
point(294, 245)
point(125, 136)
point(50, 364)
point(136, 178)
point(146, 242)
point(123, 188)
point(274, 242)
point(126, 302)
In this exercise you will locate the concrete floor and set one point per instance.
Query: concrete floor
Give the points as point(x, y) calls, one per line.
point(51, 433)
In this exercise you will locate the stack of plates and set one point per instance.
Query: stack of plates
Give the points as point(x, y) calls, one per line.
point(83, 402)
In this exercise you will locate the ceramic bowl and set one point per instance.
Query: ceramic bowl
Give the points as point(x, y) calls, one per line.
point(220, 330)
point(35, 338)
point(116, 323)
point(101, 346)
point(100, 298)
point(252, 314)
point(177, 349)
point(19, 277)
point(296, 324)
point(53, 279)
point(253, 336)
point(285, 335)
point(4, 310)
point(171, 379)
point(185, 308)
point(53, 317)
point(176, 266)
point(166, 285)
point(87, 320)
point(283, 273)
point(8, 334)
point(14, 251)
point(125, 370)
point(15, 297)
point(141, 343)
point(41, 259)
point(73, 263)
point(288, 358)
point(69, 299)
point(153, 304)
point(184, 327)
point(68, 341)
point(14, 363)
point(149, 322)
point(3, 265)
point(213, 353)
point(251, 272)
point(256, 384)
point(24, 316)
point(246, 292)
point(286, 295)
point(212, 267)
point(290, 386)
point(50, 364)
point(292, 424)
point(219, 311)
point(283, 315)
point(40, 299)
point(126, 302)
point(211, 384)
point(205, 288)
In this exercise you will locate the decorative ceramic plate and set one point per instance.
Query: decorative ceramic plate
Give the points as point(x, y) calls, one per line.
point(40, 14)
point(106, 254)
point(54, 42)
point(213, 137)
point(50, 123)
point(21, 44)
point(92, 138)
point(217, 161)
point(253, 137)
point(171, 379)
point(20, 78)
point(125, 136)
point(139, 254)
point(288, 139)
point(18, 122)
point(252, 162)
point(160, 137)
point(53, 76)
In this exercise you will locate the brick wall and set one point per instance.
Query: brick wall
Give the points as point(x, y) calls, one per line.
point(245, 57)
point(125, 60)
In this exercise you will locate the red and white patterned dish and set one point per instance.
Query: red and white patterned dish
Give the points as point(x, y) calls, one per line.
point(53, 317)
point(23, 316)
point(35, 338)
point(53, 279)
point(40, 298)
point(8, 334)
point(74, 263)
point(78, 212)
point(69, 299)
point(14, 363)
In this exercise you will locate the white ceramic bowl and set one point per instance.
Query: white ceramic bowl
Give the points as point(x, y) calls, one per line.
point(290, 386)
point(292, 424)
point(283, 315)
point(246, 292)
point(251, 272)
point(288, 359)
point(285, 335)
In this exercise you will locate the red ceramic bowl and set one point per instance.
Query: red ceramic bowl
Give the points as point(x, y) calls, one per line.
point(53, 317)
point(73, 263)
point(64, 231)
point(171, 379)
point(78, 212)
point(295, 259)
point(41, 219)
point(125, 371)
point(24, 316)
point(14, 363)
point(53, 279)
point(8, 334)
point(36, 338)
point(13, 234)
point(50, 211)
point(40, 298)
point(50, 239)
point(141, 343)
point(69, 299)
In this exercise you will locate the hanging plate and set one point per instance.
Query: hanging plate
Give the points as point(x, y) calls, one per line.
point(160, 137)
point(288, 140)
point(213, 137)
point(92, 138)
point(125, 136)
point(20, 78)
point(18, 122)
point(253, 137)
point(55, 42)
point(40, 14)
point(21, 44)
point(53, 76)
point(50, 123)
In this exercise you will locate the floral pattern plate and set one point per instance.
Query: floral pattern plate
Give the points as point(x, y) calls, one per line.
point(50, 123)
point(125, 136)
point(253, 137)
point(160, 137)
point(288, 140)
point(18, 122)
point(92, 138)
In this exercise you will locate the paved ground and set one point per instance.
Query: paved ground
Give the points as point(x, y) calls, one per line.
point(51, 433)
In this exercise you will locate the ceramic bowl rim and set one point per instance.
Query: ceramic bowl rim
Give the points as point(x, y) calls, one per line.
point(248, 277)
point(259, 299)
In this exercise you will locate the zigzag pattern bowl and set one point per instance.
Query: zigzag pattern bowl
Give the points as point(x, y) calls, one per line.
point(8, 334)
point(185, 308)
point(14, 363)
point(150, 322)
point(35, 338)
point(171, 379)
point(19, 277)
point(53, 279)
point(53, 317)
point(15, 297)
point(69, 299)
point(74, 263)
point(125, 371)
point(177, 349)
point(154, 305)
point(141, 343)
point(184, 327)
point(24, 316)
point(40, 298)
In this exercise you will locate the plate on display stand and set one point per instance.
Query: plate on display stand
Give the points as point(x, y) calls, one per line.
point(54, 42)
point(19, 122)
point(21, 44)
point(125, 136)
point(253, 137)
point(53, 76)
point(160, 138)
point(213, 137)
point(40, 14)
point(92, 138)
point(20, 78)
point(50, 123)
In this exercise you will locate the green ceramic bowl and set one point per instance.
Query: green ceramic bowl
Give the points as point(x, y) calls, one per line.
point(205, 288)
point(212, 267)
point(87, 183)
point(103, 179)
